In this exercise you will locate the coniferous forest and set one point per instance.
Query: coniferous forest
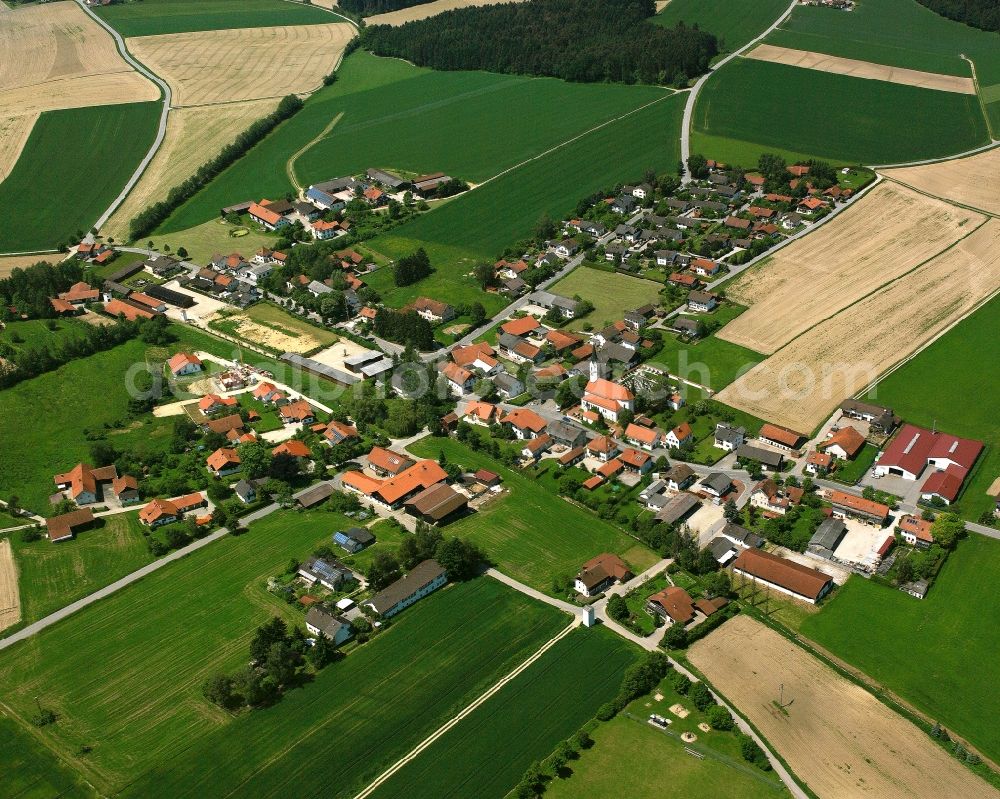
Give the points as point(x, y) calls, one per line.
point(577, 40)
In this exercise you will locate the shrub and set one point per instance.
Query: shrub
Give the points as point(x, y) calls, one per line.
point(719, 718)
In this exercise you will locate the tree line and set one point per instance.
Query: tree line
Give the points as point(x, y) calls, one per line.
point(150, 218)
point(404, 327)
point(576, 40)
point(984, 14)
point(366, 8)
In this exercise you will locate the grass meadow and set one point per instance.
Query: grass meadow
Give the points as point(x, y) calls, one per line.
point(544, 705)
point(209, 238)
point(611, 293)
point(835, 117)
point(51, 576)
point(710, 361)
point(938, 653)
point(479, 225)
point(73, 165)
point(397, 116)
point(531, 534)
point(32, 772)
point(900, 33)
point(151, 17)
point(950, 384)
point(734, 22)
point(34, 333)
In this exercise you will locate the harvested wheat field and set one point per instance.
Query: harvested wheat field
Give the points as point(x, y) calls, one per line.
point(972, 181)
point(245, 64)
point(425, 10)
point(839, 739)
point(55, 56)
point(861, 69)
point(800, 385)
point(194, 136)
point(8, 263)
point(839, 263)
point(10, 599)
point(14, 132)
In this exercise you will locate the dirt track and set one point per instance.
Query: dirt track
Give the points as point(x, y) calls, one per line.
point(972, 181)
point(245, 64)
point(822, 62)
point(10, 599)
point(434, 8)
point(54, 56)
point(194, 136)
point(838, 264)
point(835, 736)
point(800, 385)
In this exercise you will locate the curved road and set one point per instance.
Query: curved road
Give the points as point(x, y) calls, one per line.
point(161, 130)
point(689, 106)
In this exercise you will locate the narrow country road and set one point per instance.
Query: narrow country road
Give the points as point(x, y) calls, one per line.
point(693, 96)
point(161, 130)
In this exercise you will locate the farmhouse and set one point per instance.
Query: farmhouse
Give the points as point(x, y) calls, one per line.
point(86, 485)
point(783, 575)
point(702, 301)
point(639, 436)
point(674, 605)
point(844, 443)
point(436, 504)
point(880, 418)
point(423, 579)
point(768, 496)
point(184, 363)
point(263, 215)
point(64, 527)
point(164, 511)
point(80, 293)
point(780, 437)
point(396, 490)
point(600, 573)
point(717, 484)
point(827, 538)
point(566, 434)
point(330, 574)
point(223, 461)
point(432, 310)
point(915, 531)
point(767, 458)
point(525, 423)
point(850, 506)
point(354, 539)
point(320, 621)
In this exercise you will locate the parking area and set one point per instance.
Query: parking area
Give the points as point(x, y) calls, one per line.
point(861, 542)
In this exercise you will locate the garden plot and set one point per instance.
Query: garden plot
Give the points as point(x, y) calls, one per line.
point(226, 66)
point(55, 56)
point(862, 69)
point(801, 384)
point(839, 739)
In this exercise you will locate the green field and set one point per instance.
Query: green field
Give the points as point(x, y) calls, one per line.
point(34, 333)
point(900, 33)
point(852, 471)
point(940, 386)
point(73, 165)
point(486, 754)
point(139, 704)
point(835, 117)
point(710, 361)
point(734, 22)
point(151, 17)
point(211, 238)
point(531, 534)
point(30, 771)
point(737, 152)
point(51, 576)
point(610, 292)
point(397, 116)
point(479, 225)
point(938, 653)
point(634, 759)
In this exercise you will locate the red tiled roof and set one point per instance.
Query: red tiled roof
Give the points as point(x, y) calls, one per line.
point(519, 327)
point(260, 212)
point(292, 447)
point(388, 461)
point(676, 603)
point(524, 419)
point(182, 359)
point(859, 504)
point(782, 435)
point(792, 576)
point(847, 438)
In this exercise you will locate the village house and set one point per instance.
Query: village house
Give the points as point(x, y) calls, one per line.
point(844, 443)
point(354, 539)
point(331, 574)
point(644, 437)
point(423, 579)
point(673, 605)
point(518, 350)
point(460, 380)
point(772, 498)
point(600, 573)
point(223, 462)
point(741, 537)
point(880, 419)
point(701, 301)
point(679, 477)
point(635, 460)
point(679, 437)
point(297, 412)
point(339, 432)
point(534, 448)
point(293, 448)
point(263, 214)
point(387, 463)
point(213, 403)
point(480, 413)
point(729, 438)
point(717, 484)
point(525, 424)
point(158, 512)
point(818, 463)
point(915, 531)
point(393, 492)
point(184, 363)
point(432, 310)
point(566, 434)
point(603, 448)
point(320, 621)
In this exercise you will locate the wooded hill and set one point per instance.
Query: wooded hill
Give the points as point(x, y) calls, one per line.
point(577, 40)
point(983, 14)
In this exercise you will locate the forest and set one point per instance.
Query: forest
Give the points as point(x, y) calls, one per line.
point(984, 14)
point(577, 40)
point(366, 8)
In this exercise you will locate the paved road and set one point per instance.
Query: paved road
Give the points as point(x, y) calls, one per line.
point(161, 130)
point(128, 579)
point(693, 96)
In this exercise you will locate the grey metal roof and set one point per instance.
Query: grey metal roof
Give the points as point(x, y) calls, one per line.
point(829, 534)
point(718, 482)
point(406, 586)
point(764, 456)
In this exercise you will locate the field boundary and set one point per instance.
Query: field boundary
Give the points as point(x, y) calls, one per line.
point(947, 200)
point(466, 711)
point(979, 94)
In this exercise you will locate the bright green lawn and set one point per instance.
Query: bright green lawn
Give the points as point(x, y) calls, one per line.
point(836, 117)
point(852, 471)
point(362, 714)
point(32, 772)
point(734, 22)
point(939, 653)
point(531, 534)
point(479, 225)
point(611, 293)
point(151, 17)
point(51, 576)
point(711, 361)
point(471, 125)
point(632, 758)
point(213, 237)
point(951, 384)
point(486, 754)
point(35, 334)
point(73, 165)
